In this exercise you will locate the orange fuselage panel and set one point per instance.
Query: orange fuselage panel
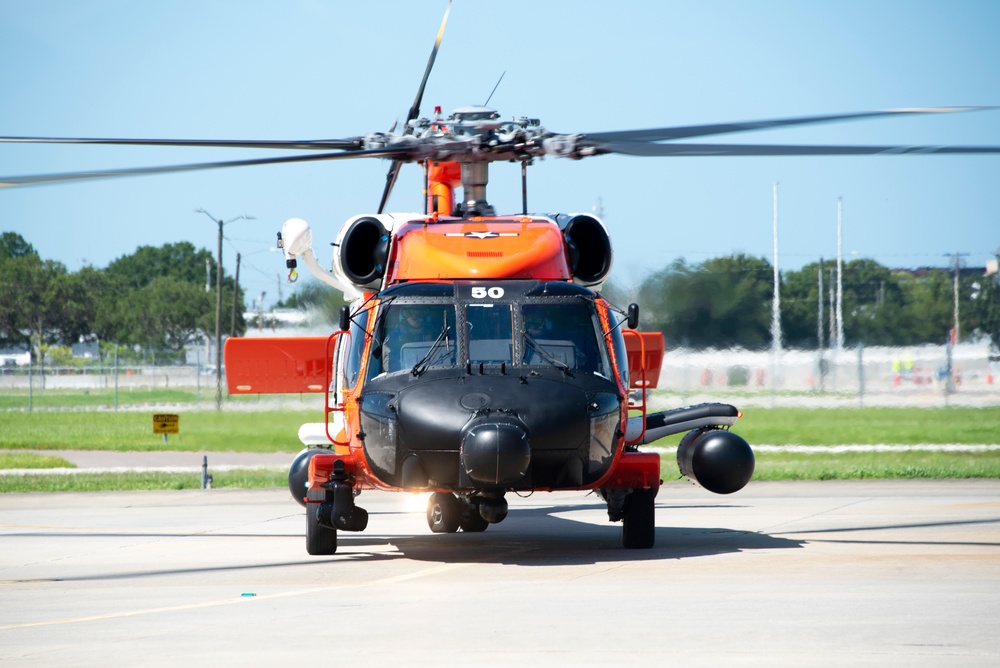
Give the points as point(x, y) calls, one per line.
point(521, 247)
point(276, 365)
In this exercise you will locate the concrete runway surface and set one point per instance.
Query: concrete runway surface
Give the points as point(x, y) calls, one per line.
point(893, 573)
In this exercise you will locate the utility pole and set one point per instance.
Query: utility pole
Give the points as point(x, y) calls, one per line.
point(236, 295)
point(819, 306)
point(840, 273)
point(776, 300)
point(955, 267)
point(776, 306)
point(218, 304)
point(821, 370)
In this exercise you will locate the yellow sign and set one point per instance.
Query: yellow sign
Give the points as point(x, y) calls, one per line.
point(166, 424)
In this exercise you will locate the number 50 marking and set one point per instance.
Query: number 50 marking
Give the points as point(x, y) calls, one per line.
point(495, 292)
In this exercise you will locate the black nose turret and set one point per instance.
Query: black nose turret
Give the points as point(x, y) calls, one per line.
point(495, 450)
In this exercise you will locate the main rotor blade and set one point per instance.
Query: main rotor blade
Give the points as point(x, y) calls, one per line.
point(730, 150)
point(685, 132)
point(390, 181)
point(415, 109)
point(390, 178)
point(310, 144)
point(40, 179)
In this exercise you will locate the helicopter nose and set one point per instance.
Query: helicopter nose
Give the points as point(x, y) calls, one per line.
point(496, 451)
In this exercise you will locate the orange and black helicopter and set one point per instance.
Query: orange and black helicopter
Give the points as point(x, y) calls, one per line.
point(478, 356)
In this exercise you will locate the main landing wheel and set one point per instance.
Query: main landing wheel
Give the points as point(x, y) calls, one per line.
point(444, 512)
point(639, 521)
point(320, 540)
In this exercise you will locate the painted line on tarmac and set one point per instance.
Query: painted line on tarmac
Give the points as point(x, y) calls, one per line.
point(142, 469)
point(247, 599)
point(235, 600)
point(762, 448)
point(875, 447)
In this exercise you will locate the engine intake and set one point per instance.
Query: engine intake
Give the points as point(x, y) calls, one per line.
point(589, 247)
point(364, 249)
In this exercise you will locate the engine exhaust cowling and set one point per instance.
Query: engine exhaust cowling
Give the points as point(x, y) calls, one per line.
point(364, 250)
point(718, 460)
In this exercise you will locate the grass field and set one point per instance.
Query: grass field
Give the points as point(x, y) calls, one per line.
point(237, 431)
point(104, 398)
point(95, 482)
point(274, 430)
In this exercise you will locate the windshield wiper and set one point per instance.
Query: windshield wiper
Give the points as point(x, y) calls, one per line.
point(547, 356)
point(425, 361)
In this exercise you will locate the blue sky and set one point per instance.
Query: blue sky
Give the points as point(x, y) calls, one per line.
point(316, 69)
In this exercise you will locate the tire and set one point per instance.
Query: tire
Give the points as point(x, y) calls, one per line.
point(639, 522)
point(444, 513)
point(472, 521)
point(320, 540)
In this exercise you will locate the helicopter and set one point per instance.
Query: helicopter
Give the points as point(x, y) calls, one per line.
point(478, 356)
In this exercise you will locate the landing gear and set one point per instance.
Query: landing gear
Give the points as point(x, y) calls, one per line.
point(320, 540)
point(337, 511)
point(444, 512)
point(472, 521)
point(639, 519)
point(447, 513)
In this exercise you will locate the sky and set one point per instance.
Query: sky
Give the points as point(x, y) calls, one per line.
point(320, 69)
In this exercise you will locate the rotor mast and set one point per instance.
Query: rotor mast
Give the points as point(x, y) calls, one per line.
point(475, 177)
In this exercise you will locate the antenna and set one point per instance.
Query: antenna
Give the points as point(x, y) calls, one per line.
point(494, 89)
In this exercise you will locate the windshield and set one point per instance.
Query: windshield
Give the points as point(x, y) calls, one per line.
point(554, 331)
point(563, 335)
point(414, 335)
point(489, 328)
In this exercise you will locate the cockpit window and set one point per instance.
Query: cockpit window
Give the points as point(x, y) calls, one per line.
point(563, 335)
point(489, 329)
point(353, 357)
point(414, 335)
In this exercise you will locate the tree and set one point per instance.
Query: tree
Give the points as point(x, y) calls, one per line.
point(929, 306)
point(167, 313)
point(872, 304)
point(42, 305)
point(180, 260)
point(984, 307)
point(318, 298)
point(160, 288)
point(14, 245)
point(722, 302)
point(800, 306)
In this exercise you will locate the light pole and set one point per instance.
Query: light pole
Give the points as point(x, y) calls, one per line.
point(260, 307)
point(218, 304)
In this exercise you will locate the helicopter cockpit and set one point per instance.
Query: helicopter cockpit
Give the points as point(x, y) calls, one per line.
point(451, 363)
point(422, 326)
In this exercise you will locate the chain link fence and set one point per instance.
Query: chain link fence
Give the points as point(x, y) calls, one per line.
point(966, 374)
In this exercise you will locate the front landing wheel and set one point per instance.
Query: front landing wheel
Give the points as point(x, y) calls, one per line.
point(471, 521)
point(320, 540)
point(444, 512)
point(639, 521)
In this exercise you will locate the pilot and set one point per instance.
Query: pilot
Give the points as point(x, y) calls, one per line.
point(412, 326)
point(409, 327)
point(559, 327)
point(537, 327)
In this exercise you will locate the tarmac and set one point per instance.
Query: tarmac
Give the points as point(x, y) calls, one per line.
point(863, 573)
